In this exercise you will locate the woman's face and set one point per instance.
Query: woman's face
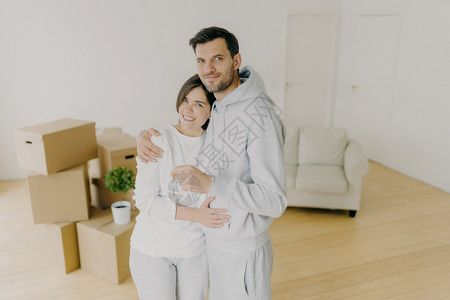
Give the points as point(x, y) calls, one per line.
point(194, 111)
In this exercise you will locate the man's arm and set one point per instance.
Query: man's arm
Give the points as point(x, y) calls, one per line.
point(146, 150)
point(267, 194)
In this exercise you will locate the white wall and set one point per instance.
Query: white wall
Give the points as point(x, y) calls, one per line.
point(121, 63)
point(418, 141)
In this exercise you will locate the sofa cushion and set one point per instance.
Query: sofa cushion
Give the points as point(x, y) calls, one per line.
point(322, 145)
point(323, 179)
point(291, 145)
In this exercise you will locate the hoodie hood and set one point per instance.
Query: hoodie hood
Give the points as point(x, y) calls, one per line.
point(252, 86)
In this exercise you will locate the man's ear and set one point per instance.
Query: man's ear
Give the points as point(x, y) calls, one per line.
point(237, 61)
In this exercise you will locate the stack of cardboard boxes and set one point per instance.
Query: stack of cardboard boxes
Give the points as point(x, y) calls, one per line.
point(67, 161)
point(115, 148)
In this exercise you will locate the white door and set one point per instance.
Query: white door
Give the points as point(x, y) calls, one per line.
point(372, 88)
point(309, 68)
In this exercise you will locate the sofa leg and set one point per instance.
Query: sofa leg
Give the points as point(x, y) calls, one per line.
point(352, 213)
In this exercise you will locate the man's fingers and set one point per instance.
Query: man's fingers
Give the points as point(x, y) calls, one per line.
point(155, 151)
point(146, 150)
point(153, 132)
point(144, 157)
point(147, 159)
point(154, 154)
point(150, 159)
point(150, 150)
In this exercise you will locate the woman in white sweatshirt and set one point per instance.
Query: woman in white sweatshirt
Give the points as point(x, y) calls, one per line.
point(168, 253)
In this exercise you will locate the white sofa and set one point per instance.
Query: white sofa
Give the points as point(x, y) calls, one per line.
point(323, 168)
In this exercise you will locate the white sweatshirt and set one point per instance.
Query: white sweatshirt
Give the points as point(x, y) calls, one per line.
point(243, 150)
point(157, 233)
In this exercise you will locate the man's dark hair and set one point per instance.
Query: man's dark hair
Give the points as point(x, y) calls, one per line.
point(212, 33)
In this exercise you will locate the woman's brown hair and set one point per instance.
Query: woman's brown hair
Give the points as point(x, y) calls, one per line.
point(190, 84)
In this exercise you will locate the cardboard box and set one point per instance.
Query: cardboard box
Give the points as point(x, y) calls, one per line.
point(60, 197)
point(59, 246)
point(94, 175)
point(107, 130)
point(106, 197)
point(55, 146)
point(105, 246)
point(116, 149)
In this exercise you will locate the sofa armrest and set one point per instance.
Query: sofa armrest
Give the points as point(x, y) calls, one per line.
point(356, 164)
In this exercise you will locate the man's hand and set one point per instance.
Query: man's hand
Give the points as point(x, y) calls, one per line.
point(209, 217)
point(192, 179)
point(146, 150)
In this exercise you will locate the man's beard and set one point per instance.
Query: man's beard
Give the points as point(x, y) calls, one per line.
point(224, 84)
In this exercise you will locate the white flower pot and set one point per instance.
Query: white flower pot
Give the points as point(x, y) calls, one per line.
point(121, 211)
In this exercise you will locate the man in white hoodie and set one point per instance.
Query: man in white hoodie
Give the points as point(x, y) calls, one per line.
point(241, 164)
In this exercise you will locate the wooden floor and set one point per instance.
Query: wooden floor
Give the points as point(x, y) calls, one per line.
point(397, 247)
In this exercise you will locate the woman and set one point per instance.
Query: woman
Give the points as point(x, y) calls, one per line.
point(168, 252)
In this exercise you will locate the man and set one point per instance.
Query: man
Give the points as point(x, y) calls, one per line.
point(241, 164)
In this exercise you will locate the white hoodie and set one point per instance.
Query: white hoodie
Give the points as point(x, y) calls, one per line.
point(243, 150)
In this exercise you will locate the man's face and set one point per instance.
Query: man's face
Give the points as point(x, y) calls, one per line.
point(215, 66)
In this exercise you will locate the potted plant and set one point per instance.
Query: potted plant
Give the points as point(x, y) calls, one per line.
point(120, 179)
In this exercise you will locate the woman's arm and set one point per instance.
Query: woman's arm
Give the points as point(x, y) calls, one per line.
point(147, 193)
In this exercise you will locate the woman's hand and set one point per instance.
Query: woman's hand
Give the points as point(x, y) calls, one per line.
point(191, 178)
point(146, 150)
point(209, 217)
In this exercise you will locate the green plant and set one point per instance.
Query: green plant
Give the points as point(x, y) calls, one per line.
point(120, 179)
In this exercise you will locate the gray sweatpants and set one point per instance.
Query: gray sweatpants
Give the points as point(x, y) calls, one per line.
point(169, 278)
point(241, 275)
